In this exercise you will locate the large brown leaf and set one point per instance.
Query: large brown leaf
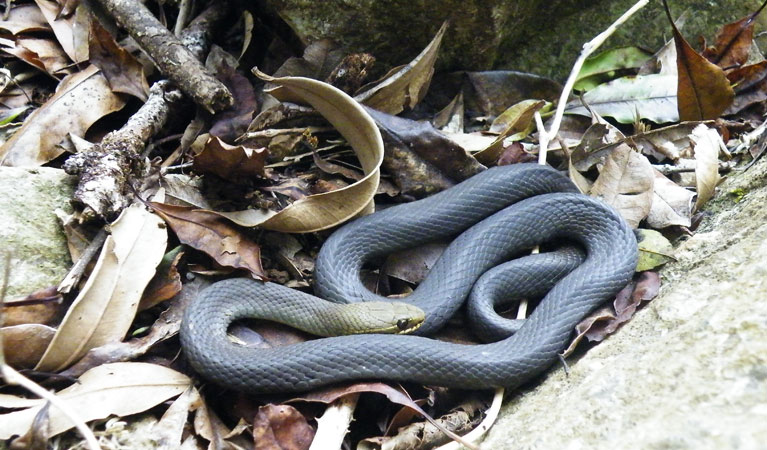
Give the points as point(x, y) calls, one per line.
point(121, 69)
point(703, 91)
point(733, 42)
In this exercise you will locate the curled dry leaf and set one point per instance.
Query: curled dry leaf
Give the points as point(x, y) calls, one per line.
point(80, 100)
point(321, 211)
point(212, 155)
point(105, 308)
point(120, 389)
point(213, 235)
point(404, 87)
point(281, 426)
point(24, 344)
point(671, 204)
point(707, 144)
point(626, 183)
point(166, 282)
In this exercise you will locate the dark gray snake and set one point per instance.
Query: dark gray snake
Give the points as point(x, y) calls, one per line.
point(504, 211)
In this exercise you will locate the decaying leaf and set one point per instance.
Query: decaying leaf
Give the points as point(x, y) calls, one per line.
point(321, 211)
point(518, 119)
point(215, 236)
point(707, 144)
point(703, 91)
point(80, 100)
point(630, 99)
point(231, 123)
point(671, 204)
point(120, 389)
point(626, 183)
point(121, 69)
point(24, 18)
point(421, 159)
point(105, 307)
point(212, 155)
point(406, 86)
point(318, 61)
point(654, 250)
point(596, 145)
point(281, 426)
point(62, 27)
point(24, 344)
point(166, 282)
point(733, 42)
point(169, 430)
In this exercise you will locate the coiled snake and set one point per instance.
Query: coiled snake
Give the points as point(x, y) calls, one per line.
point(503, 210)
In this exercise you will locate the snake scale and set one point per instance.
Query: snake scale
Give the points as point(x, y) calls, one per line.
point(496, 214)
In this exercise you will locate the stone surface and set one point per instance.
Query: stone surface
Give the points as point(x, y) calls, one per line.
point(542, 37)
point(30, 231)
point(689, 371)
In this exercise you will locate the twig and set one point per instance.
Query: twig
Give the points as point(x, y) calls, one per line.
point(78, 269)
point(588, 48)
point(490, 417)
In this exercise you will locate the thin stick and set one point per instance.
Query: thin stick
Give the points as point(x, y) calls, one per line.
point(588, 48)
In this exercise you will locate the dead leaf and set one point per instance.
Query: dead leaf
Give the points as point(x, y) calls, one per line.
point(213, 235)
point(24, 19)
point(671, 204)
point(321, 211)
point(121, 69)
point(733, 42)
point(518, 119)
point(46, 51)
point(707, 144)
point(404, 87)
point(626, 183)
point(212, 155)
point(654, 250)
point(281, 427)
point(105, 307)
point(166, 282)
point(169, 430)
point(421, 159)
point(23, 345)
point(491, 92)
point(231, 123)
point(318, 61)
point(703, 91)
point(412, 265)
point(120, 389)
point(62, 27)
point(80, 100)
point(41, 306)
point(597, 144)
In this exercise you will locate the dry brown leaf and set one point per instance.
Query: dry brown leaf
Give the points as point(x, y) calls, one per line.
point(406, 87)
point(79, 101)
point(105, 308)
point(169, 430)
point(47, 52)
point(321, 211)
point(626, 183)
point(213, 235)
point(25, 18)
point(703, 91)
point(62, 27)
point(121, 69)
point(23, 345)
point(227, 161)
point(671, 204)
point(281, 427)
point(733, 42)
point(516, 119)
point(707, 144)
point(120, 389)
point(166, 283)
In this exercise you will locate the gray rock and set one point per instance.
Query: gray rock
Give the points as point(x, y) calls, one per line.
point(689, 371)
point(541, 37)
point(30, 231)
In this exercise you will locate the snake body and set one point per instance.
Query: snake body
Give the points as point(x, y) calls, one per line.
point(498, 213)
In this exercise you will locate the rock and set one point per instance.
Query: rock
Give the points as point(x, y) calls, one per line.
point(541, 37)
point(689, 370)
point(30, 231)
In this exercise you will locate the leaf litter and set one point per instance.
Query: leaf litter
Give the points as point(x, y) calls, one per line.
point(300, 155)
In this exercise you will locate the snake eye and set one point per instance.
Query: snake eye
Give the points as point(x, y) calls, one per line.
point(403, 324)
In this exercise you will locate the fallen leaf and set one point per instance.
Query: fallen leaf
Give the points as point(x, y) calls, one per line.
point(490, 93)
point(80, 100)
point(121, 69)
point(518, 119)
point(597, 144)
point(23, 345)
point(62, 27)
point(105, 307)
point(318, 61)
point(111, 389)
point(671, 204)
point(631, 99)
point(654, 250)
point(450, 118)
point(166, 282)
point(703, 91)
point(733, 42)
point(231, 123)
point(422, 160)
point(626, 183)
point(321, 211)
point(281, 427)
point(213, 235)
point(169, 430)
point(707, 144)
point(412, 265)
point(404, 87)
point(227, 161)
point(24, 19)
point(54, 61)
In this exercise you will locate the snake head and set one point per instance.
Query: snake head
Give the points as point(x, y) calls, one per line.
point(384, 317)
